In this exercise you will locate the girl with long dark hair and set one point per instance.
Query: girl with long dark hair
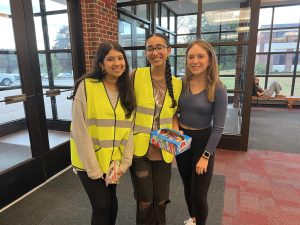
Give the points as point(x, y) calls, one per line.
point(101, 135)
point(157, 93)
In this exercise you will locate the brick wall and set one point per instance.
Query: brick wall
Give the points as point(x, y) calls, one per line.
point(100, 24)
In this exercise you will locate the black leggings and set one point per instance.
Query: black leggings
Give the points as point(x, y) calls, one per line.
point(196, 186)
point(103, 200)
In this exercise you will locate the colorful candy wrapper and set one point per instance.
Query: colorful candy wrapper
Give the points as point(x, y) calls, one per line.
point(112, 176)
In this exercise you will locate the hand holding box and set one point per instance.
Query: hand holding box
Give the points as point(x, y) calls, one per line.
point(170, 140)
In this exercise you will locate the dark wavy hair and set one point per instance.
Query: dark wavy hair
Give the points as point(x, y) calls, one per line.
point(124, 82)
point(168, 72)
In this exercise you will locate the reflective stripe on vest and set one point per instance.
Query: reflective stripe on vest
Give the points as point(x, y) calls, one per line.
point(145, 111)
point(108, 128)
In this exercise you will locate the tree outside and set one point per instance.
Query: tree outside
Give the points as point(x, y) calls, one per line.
point(62, 62)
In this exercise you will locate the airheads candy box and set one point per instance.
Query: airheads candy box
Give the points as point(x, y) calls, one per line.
point(170, 140)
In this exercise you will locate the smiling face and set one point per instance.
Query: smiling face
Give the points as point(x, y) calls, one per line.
point(114, 64)
point(197, 60)
point(157, 51)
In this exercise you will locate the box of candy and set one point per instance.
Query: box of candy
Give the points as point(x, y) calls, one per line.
point(170, 140)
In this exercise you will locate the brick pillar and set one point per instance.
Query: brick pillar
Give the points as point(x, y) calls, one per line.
point(99, 24)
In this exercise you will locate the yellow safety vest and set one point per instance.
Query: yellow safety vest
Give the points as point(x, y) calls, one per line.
point(108, 127)
point(146, 108)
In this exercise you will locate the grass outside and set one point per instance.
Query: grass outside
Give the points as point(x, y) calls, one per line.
point(285, 82)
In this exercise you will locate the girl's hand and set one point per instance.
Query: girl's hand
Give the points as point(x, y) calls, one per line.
point(201, 166)
point(118, 175)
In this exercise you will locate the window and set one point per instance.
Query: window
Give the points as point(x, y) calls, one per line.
point(54, 48)
point(279, 59)
point(280, 36)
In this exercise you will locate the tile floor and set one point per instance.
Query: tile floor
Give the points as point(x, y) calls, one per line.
point(261, 187)
point(22, 138)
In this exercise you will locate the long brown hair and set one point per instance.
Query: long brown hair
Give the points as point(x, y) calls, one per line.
point(124, 83)
point(212, 72)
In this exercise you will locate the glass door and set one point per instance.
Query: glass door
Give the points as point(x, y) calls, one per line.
point(32, 75)
point(14, 138)
point(55, 63)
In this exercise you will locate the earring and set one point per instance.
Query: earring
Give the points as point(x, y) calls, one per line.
point(104, 71)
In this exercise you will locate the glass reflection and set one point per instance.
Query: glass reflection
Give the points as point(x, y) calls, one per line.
point(140, 36)
point(227, 24)
point(124, 34)
point(141, 59)
point(227, 65)
point(263, 41)
point(281, 64)
point(164, 17)
point(7, 39)
point(39, 33)
point(183, 39)
point(64, 105)
point(172, 22)
point(297, 87)
point(141, 11)
point(58, 31)
point(214, 37)
point(187, 24)
point(9, 70)
point(265, 18)
point(129, 58)
point(11, 112)
point(298, 66)
point(284, 40)
point(36, 6)
point(5, 8)
point(287, 16)
point(62, 69)
point(52, 5)
point(261, 64)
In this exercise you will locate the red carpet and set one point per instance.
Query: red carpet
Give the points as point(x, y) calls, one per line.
point(261, 187)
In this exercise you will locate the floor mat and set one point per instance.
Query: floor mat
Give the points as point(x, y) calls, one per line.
point(63, 201)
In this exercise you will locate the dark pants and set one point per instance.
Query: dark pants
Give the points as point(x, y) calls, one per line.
point(151, 180)
point(103, 200)
point(196, 186)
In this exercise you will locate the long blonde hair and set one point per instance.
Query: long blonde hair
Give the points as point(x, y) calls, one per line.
point(212, 72)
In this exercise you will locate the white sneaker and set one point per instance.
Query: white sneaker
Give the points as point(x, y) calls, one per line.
point(190, 221)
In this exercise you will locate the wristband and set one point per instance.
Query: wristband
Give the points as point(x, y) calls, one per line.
point(206, 155)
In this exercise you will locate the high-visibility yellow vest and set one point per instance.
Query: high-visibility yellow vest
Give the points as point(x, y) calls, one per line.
point(146, 108)
point(108, 127)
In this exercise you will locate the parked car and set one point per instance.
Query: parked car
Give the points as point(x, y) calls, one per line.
point(64, 75)
point(7, 79)
point(16, 75)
